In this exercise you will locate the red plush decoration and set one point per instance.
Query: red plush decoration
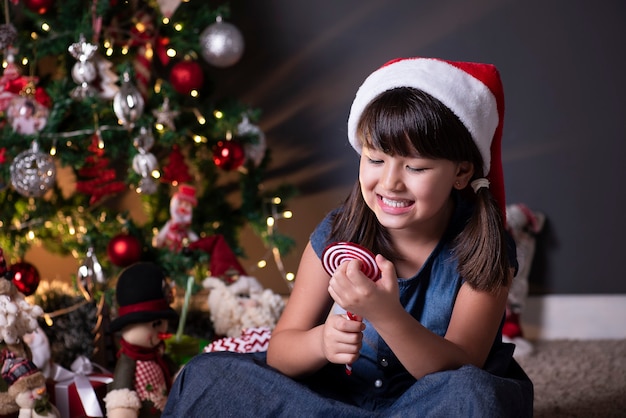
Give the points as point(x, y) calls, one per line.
point(124, 250)
point(176, 170)
point(228, 155)
point(39, 6)
point(22, 84)
point(25, 277)
point(187, 76)
point(96, 177)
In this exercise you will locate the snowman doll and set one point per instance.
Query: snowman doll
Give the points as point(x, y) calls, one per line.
point(175, 234)
point(143, 372)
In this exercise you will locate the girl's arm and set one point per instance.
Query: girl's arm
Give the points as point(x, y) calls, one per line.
point(305, 337)
point(476, 317)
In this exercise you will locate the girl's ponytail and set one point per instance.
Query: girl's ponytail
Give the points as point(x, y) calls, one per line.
point(481, 248)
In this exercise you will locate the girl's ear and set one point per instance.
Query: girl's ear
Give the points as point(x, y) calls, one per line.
point(464, 173)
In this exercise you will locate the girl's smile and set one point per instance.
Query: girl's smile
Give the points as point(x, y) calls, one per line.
point(394, 206)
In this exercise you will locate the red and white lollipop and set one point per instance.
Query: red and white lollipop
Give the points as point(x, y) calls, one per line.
point(338, 252)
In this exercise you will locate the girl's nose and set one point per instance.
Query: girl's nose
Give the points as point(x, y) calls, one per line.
point(392, 178)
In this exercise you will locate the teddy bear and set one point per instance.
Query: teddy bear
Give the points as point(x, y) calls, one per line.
point(143, 372)
point(176, 234)
point(20, 386)
point(523, 224)
point(241, 304)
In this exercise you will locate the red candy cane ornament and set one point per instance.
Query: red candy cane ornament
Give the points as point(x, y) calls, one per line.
point(338, 252)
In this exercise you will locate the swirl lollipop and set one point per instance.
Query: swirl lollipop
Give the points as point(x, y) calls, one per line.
point(338, 252)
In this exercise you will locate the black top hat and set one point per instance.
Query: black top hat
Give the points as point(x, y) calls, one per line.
point(141, 294)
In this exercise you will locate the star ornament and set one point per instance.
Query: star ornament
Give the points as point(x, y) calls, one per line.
point(165, 116)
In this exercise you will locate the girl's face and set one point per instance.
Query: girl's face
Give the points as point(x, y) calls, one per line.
point(410, 192)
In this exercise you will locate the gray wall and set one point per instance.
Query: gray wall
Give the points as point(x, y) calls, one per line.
point(562, 64)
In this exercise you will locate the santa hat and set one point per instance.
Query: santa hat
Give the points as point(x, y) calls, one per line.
point(142, 296)
point(472, 91)
point(223, 259)
point(187, 193)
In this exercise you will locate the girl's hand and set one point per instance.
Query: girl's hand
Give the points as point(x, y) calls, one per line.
point(356, 293)
point(342, 339)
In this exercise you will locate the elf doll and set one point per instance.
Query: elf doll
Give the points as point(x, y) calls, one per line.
point(175, 234)
point(143, 374)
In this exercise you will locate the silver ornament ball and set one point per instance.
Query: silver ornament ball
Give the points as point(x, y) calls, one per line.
point(144, 164)
point(221, 44)
point(84, 72)
point(147, 186)
point(128, 102)
point(145, 140)
point(255, 150)
point(32, 172)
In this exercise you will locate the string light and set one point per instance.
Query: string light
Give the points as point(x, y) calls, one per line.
point(157, 85)
point(274, 252)
point(201, 119)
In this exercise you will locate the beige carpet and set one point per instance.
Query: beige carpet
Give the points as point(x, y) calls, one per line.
point(583, 379)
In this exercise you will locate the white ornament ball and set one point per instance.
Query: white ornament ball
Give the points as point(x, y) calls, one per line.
point(221, 44)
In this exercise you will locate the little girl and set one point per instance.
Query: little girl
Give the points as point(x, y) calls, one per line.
point(425, 338)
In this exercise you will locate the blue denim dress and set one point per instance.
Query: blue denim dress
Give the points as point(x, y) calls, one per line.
point(429, 297)
point(240, 385)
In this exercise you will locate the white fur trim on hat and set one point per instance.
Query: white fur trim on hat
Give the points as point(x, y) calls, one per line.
point(466, 96)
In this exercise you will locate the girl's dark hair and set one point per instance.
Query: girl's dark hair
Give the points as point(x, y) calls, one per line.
point(405, 121)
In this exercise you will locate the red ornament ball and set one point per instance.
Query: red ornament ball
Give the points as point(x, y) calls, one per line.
point(228, 155)
point(39, 6)
point(186, 76)
point(25, 277)
point(124, 250)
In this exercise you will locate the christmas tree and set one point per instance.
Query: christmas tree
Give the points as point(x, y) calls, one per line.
point(117, 94)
